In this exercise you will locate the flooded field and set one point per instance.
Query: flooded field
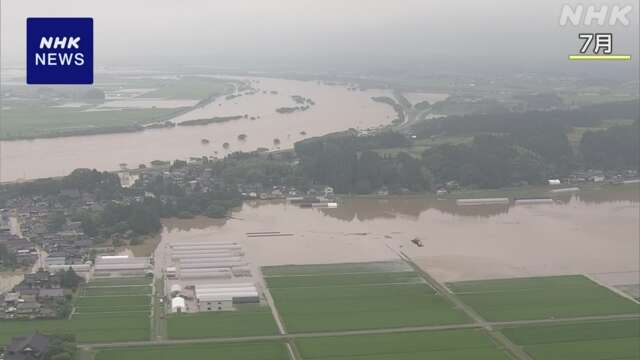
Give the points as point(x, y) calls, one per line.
point(335, 108)
point(10, 279)
point(148, 103)
point(432, 98)
point(591, 233)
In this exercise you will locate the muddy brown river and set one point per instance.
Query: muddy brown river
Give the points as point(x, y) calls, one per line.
point(336, 108)
point(594, 233)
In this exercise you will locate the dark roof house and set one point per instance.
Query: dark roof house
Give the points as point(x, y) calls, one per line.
point(31, 347)
point(50, 293)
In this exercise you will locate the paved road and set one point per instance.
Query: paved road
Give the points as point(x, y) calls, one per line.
point(287, 337)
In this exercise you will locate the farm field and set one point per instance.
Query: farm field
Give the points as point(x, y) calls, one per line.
point(541, 298)
point(36, 120)
point(87, 328)
point(96, 318)
point(356, 296)
point(241, 351)
point(190, 87)
point(450, 345)
point(119, 282)
point(582, 341)
point(346, 268)
point(248, 321)
point(116, 290)
point(65, 112)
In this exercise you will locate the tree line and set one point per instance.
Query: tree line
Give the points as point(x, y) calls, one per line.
point(506, 149)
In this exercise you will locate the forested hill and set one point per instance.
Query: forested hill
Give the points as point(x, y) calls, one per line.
point(514, 122)
point(503, 150)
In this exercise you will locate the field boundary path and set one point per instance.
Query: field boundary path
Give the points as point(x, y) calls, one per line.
point(293, 336)
point(498, 337)
point(158, 320)
point(294, 354)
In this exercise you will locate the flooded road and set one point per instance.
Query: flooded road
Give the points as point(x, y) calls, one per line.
point(336, 108)
point(10, 279)
point(591, 233)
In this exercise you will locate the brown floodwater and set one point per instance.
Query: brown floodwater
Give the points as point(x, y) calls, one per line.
point(10, 279)
point(591, 233)
point(336, 108)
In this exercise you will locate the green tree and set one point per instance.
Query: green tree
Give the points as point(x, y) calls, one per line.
point(216, 211)
point(70, 280)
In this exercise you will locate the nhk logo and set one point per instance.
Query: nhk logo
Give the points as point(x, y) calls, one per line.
point(590, 15)
point(59, 51)
point(596, 45)
point(59, 58)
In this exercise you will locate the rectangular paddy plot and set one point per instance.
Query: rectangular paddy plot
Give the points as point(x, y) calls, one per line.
point(107, 310)
point(248, 320)
point(356, 296)
point(541, 298)
point(605, 340)
point(230, 351)
point(119, 295)
point(120, 282)
point(449, 345)
point(87, 328)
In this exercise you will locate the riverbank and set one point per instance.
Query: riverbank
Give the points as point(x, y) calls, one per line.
point(336, 109)
point(128, 105)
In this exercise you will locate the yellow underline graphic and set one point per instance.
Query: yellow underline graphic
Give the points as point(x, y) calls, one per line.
point(600, 57)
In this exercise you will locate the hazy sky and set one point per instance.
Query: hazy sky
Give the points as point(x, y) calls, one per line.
point(332, 32)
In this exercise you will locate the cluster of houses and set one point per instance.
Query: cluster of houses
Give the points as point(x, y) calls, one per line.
point(67, 247)
point(37, 296)
point(192, 179)
point(22, 250)
point(34, 346)
point(195, 178)
point(67, 244)
point(603, 177)
point(258, 191)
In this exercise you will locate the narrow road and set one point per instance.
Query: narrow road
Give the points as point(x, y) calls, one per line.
point(294, 354)
point(500, 339)
point(159, 327)
point(288, 337)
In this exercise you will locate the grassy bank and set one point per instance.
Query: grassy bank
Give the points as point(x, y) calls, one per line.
point(39, 121)
point(31, 117)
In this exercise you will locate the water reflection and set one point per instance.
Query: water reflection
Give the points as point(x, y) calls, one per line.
point(590, 233)
point(411, 207)
point(336, 108)
point(408, 207)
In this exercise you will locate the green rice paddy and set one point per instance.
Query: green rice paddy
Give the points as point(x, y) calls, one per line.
point(541, 298)
point(354, 297)
point(580, 341)
point(248, 321)
point(96, 318)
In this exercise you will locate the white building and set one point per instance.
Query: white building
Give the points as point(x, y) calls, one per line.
point(178, 305)
point(175, 290)
point(207, 273)
point(54, 260)
point(215, 303)
point(121, 266)
point(485, 201)
point(222, 297)
point(83, 270)
point(171, 272)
